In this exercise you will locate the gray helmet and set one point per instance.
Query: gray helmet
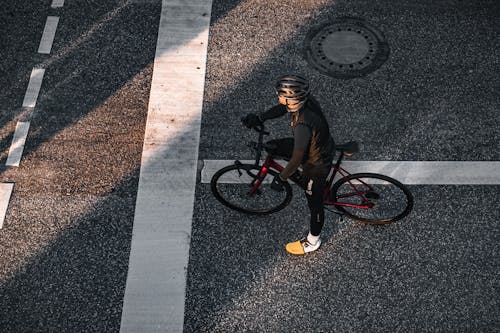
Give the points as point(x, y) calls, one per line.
point(293, 86)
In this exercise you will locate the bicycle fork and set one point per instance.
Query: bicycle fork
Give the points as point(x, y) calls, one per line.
point(261, 175)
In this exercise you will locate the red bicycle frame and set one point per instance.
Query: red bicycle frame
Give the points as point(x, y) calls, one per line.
point(271, 163)
point(336, 168)
point(268, 163)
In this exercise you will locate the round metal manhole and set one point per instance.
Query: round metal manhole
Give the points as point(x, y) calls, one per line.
point(346, 48)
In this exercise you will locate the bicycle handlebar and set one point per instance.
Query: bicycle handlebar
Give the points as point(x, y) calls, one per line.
point(257, 128)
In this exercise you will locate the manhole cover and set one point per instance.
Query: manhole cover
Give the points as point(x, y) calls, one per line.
point(346, 48)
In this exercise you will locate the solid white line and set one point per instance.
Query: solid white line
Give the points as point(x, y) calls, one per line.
point(5, 193)
point(49, 32)
point(407, 172)
point(57, 3)
point(156, 282)
point(17, 146)
point(33, 87)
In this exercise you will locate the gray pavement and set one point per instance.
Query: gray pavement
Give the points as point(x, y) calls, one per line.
point(436, 98)
point(437, 270)
point(66, 239)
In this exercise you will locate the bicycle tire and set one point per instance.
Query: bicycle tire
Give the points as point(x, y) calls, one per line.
point(383, 187)
point(230, 186)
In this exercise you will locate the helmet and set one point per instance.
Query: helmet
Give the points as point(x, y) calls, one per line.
point(293, 87)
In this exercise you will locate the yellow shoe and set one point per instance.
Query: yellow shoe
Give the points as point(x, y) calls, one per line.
point(302, 246)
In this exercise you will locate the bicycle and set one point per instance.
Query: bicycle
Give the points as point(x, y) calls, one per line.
point(367, 197)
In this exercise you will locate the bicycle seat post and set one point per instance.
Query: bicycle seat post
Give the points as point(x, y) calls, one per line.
point(339, 160)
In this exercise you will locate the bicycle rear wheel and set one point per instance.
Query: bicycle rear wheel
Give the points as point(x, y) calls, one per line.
point(372, 198)
point(232, 186)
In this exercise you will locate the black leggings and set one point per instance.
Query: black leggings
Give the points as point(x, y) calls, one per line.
point(314, 181)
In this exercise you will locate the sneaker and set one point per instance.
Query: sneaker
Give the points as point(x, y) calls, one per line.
point(302, 246)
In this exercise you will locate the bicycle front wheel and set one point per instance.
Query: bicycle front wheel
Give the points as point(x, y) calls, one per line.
point(372, 198)
point(240, 187)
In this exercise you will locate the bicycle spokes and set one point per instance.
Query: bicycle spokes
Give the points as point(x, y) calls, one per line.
point(372, 195)
point(372, 198)
point(357, 198)
point(246, 188)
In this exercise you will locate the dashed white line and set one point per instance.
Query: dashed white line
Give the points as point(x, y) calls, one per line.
point(156, 281)
point(33, 89)
point(57, 3)
point(30, 99)
point(5, 193)
point(407, 172)
point(49, 32)
point(18, 141)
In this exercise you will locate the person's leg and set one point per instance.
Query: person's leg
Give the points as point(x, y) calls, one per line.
point(315, 182)
point(283, 147)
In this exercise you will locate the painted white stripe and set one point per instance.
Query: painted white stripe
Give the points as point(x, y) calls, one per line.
point(33, 89)
point(17, 146)
point(49, 32)
point(5, 193)
point(407, 172)
point(57, 3)
point(156, 282)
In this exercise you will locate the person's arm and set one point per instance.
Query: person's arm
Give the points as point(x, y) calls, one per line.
point(302, 136)
point(254, 119)
point(274, 112)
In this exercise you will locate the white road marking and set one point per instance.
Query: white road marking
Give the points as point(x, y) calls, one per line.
point(57, 3)
point(156, 282)
point(18, 141)
point(5, 193)
point(33, 89)
point(407, 172)
point(49, 32)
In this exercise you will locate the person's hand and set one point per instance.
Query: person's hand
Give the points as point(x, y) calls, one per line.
point(251, 120)
point(278, 184)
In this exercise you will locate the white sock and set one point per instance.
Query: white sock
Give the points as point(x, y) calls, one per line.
point(312, 239)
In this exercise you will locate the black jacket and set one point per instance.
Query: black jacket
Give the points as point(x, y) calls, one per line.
point(321, 148)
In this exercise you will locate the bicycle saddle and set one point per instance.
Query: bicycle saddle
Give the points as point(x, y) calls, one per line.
point(348, 148)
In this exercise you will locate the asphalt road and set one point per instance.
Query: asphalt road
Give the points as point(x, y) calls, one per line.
point(436, 98)
point(66, 239)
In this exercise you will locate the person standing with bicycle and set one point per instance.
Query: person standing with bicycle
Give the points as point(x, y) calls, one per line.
point(312, 146)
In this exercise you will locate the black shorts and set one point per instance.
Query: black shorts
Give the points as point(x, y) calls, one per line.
point(283, 148)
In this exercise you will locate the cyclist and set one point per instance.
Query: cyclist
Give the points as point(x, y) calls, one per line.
point(311, 146)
